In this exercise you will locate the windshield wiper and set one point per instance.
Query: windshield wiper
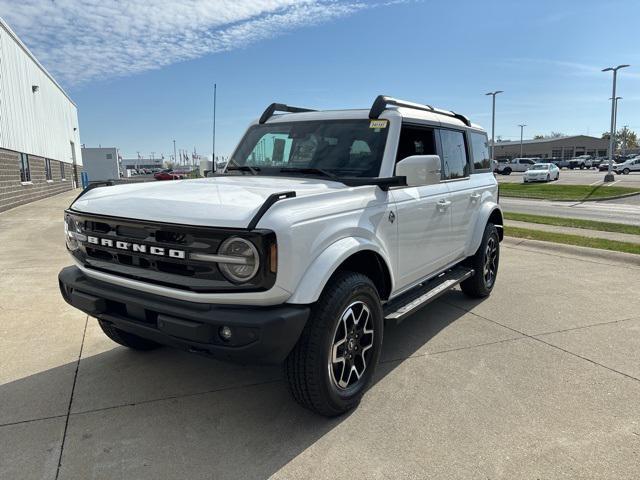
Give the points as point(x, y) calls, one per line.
point(312, 171)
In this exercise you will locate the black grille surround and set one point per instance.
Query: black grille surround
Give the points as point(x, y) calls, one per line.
point(180, 273)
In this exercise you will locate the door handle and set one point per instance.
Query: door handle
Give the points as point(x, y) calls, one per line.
point(475, 197)
point(443, 205)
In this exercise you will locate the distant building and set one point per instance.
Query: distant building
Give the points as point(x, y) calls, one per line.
point(39, 137)
point(137, 163)
point(101, 163)
point(560, 147)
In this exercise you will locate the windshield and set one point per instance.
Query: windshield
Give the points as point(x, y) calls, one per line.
point(344, 148)
point(540, 167)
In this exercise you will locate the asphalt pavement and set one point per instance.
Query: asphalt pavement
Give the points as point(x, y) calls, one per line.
point(541, 380)
point(581, 177)
point(610, 211)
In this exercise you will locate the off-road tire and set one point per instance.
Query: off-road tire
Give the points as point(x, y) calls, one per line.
point(307, 368)
point(126, 339)
point(477, 285)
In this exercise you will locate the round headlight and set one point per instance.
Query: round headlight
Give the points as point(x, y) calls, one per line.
point(240, 260)
point(70, 227)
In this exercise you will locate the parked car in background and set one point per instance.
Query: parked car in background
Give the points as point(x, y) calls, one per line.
point(168, 174)
point(516, 165)
point(603, 166)
point(541, 172)
point(581, 162)
point(628, 166)
point(558, 162)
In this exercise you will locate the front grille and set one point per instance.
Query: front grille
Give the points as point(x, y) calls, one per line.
point(182, 273)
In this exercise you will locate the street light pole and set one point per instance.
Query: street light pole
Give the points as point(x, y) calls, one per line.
point(493, 120)
point(175, 157)
point(609, 176)
point(521, 134)
point(213, 141)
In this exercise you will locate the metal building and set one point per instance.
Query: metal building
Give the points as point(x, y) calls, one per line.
point(39, 135)
point(559, 147)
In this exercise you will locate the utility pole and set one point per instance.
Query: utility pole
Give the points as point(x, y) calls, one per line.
point(521, 134)
point(493, 121)
point(609, 176)
point(213, 139)
point(175, 157)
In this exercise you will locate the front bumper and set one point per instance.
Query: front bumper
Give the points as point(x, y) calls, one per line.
point(263, 335)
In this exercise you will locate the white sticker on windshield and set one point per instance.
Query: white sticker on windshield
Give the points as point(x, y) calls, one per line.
point(378, 124)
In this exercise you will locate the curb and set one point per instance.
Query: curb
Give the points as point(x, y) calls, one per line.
point(628, 259)
point(625, 195)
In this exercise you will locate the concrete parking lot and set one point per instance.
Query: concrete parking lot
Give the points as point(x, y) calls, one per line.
point(539, 381)
point(581, 177)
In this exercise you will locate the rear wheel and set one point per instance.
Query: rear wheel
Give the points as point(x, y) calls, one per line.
point(507, 171)
point(126, 339)
point(485, 264)
point(333, 362)
point(626, 171)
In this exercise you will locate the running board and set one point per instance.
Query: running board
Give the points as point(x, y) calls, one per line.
point(408, 303)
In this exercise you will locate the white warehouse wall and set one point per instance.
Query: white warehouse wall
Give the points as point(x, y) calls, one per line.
point(40, 123)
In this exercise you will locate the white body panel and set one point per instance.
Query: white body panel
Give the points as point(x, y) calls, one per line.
point(42, 123)
point(415, 231)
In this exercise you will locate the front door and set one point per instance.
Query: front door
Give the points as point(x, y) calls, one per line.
point(423, 215)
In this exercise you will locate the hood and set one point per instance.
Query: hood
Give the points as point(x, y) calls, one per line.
point(229, 201)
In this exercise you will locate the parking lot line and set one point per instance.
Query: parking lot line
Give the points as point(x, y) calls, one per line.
point(596, 183)
point(612, 183)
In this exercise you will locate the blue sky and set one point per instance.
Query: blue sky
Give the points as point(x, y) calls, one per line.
point(142, 75)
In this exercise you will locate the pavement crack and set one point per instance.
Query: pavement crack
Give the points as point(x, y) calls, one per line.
point(73, 388)
point(550, 344)
point(174, 397)
point(587, 326)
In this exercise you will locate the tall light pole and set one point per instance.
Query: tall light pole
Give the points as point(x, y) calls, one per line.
point(609, 176)
point(213, 140)
point(521, 134)
point(493, 119)
point(615, 121)
point(175, 157)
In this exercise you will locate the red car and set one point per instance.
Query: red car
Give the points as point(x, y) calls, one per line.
point(168, 175)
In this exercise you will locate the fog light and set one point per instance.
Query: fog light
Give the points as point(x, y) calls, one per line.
point(225, 333)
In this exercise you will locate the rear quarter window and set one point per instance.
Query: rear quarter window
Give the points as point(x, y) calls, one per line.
point(480, 151)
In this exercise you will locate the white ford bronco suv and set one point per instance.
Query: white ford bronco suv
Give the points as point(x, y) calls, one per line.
point(323, 225)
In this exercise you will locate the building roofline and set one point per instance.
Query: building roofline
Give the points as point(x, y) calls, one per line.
point(19, 42)
point(543, 140)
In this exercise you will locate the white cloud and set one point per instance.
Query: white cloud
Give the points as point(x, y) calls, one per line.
point(81, 40)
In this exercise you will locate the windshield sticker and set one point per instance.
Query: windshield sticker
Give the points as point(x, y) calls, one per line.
point(378, 124)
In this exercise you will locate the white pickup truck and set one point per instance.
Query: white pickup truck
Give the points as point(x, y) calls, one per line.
point(324, 225)
point(516, 165)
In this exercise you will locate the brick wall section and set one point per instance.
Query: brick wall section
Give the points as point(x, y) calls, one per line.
point(13, 193)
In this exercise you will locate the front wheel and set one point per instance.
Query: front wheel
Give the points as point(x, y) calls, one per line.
point(333, 362)
point(626, 171)
point(485, 264)
point(548, 178)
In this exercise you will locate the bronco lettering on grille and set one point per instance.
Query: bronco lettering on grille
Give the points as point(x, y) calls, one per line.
point(136, 247)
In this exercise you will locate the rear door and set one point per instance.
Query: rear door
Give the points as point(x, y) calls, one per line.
point(464, 192)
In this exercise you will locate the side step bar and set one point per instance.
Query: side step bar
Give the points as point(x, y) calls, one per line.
point(408, 303)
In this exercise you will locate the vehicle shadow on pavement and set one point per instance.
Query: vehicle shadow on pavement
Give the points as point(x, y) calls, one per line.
point(169, 414)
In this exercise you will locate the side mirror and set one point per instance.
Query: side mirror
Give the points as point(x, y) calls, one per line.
point(420, 170)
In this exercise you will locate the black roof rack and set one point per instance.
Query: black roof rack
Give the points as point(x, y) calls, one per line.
point(281, 107)
point(382, 101)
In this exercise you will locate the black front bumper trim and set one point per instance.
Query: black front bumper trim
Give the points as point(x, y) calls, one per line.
point(263, 335)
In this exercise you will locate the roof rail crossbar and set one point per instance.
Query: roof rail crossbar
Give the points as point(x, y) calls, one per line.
point(382, 101)
point(281, 107)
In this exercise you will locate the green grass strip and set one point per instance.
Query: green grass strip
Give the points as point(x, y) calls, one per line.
point(578, 240)
point(574, 223)
point(577, 193)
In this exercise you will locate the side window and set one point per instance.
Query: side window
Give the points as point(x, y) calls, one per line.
point(25, 171)
point(454, 155)
point(416, 141)
point(47, 169)
point(480, 148)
